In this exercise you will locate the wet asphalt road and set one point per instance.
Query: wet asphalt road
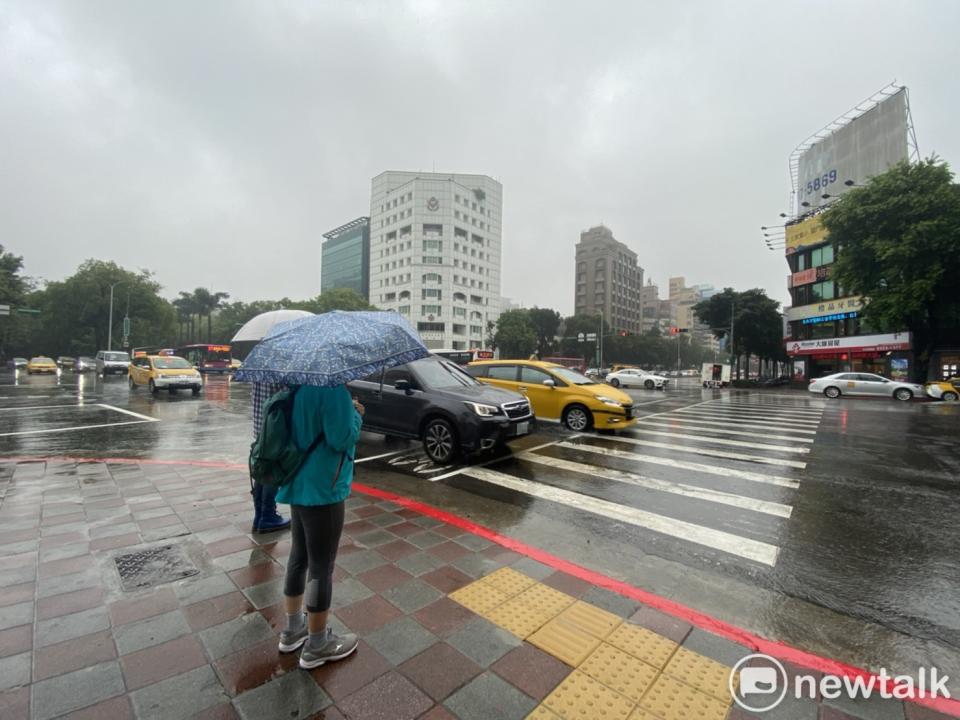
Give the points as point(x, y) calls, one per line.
point(831, 525)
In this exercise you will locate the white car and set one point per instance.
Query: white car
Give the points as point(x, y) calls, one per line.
point(635, 377)
point(864, 384)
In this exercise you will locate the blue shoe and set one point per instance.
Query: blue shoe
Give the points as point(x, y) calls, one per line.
point(269, 520)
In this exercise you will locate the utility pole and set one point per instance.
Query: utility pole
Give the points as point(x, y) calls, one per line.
point(110, 322)
point(600, 344)
point(733, 302)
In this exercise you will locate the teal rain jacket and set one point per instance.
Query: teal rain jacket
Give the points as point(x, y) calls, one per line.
point(326, 476)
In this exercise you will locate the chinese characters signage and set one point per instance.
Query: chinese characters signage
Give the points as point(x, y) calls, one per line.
point(802, 234)
point(827, 307)
point(857, 343)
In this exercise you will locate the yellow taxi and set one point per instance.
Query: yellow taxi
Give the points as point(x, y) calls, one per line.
point(559, 393)
point(164, 372)
point(946, 390)
point(41, 364)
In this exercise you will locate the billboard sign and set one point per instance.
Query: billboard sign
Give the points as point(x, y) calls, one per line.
point(803, 234)
point(827, 307)
point(864, 147)
point(810, 275)
point(854, 343)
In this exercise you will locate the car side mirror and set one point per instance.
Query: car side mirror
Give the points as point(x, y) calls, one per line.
point(403, 385)
point(549, 383)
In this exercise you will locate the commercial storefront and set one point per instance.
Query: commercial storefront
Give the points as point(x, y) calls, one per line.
point(886, 354)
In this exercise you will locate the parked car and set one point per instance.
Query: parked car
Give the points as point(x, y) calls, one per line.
point(635, 377)
point(558, 393)
point(41, 364)
point(65, 363)
point(864, 384)
point(84, 364)
point(946, 390)
point(164, 373)
point(17, 363)
point(112, 362)
point(433, 400)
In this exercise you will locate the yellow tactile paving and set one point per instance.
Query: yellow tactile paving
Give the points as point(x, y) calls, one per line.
point(653, 649)
point(670, 698)
point(564, 641)
point(545, 599)
point(541, 712)
point(640, 714)
point(520, 617)
point(479, 597)
point(508, 581)
point(701, 672)
point(580, 697)
point(619, 671)
point(592, 619)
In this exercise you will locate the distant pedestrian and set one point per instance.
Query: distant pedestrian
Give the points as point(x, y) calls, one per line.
point(265, 515)
point(317, 497)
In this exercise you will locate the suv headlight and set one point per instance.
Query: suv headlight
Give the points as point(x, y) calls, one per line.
point(483, 410)
point(608, 401)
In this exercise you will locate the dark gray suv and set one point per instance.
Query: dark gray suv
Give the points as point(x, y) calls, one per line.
point(435, 401)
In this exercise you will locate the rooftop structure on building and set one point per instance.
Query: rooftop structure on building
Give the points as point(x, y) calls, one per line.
point(345, 257)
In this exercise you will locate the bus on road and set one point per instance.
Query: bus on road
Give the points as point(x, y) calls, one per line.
point(207, 358)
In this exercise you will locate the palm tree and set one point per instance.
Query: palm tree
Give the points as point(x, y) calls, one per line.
point(216, 298)
point(205, 303)
point(187, 307)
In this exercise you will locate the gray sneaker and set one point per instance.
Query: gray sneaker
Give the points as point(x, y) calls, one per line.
point(335, 647)
point(290, 640)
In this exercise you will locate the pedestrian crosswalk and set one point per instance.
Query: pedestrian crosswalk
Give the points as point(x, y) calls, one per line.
point(719, 478)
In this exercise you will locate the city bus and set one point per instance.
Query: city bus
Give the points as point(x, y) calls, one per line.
point(207, 358)
point(464, 357)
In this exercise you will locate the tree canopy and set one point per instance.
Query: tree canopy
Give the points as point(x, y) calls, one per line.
point(757, 323)
point(896, 240)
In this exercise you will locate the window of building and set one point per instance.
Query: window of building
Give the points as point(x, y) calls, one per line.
point(430, 294)
point(433, 245)
point(430, 309)
point(432, 260)
point(390, 297)
point(433, 230)
point(459, 297)
point(430, 327)
point(404, 309)
point(459, 329)
point(822, 291)
point(476, 300)
point(431, 278)
point(821, 256)
point(459, 312)
point(476, 330)
point(404, 294)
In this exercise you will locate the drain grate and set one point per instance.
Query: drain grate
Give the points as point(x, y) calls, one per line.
point(148, 568)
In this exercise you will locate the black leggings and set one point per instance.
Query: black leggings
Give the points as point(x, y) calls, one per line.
point(316, 534)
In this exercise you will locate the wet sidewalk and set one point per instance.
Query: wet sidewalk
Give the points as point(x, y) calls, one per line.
point(134, 590)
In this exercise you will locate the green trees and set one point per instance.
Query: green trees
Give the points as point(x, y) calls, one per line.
point(515, 335)
point(758, 325)
point(545, 323)
point(896, 240)
point(13, 291)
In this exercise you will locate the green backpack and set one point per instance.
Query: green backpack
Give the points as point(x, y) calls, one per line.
point(275, 458)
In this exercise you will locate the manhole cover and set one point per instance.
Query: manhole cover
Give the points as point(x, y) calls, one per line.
point(147, 568)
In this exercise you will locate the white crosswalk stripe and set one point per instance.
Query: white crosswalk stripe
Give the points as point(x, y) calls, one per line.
point(716, 475)
point(733, 544)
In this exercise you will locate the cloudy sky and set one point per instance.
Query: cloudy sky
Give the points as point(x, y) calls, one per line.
point(214, 142)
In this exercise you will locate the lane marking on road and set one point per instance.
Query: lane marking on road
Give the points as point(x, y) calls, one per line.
point(755, 550)
point(491, 461)
point(705, 418)
point(145, 418)
point(653, 402)
point(381, 455)
point(721, 441)
point(667, 423)
point(686, 465)
point(710, 424)
point(801, 413)
point(710, 452)
point(47, 407)
point(648, 483)
point(77, 427)
point(737, 417)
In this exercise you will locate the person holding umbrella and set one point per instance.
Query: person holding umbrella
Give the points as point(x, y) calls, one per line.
point(318, 356)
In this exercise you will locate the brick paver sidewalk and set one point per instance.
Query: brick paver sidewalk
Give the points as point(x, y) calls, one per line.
point(451, 625)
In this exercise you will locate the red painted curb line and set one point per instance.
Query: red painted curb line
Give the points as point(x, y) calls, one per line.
point(756, 643)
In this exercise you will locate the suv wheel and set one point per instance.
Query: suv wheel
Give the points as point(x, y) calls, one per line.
point(903, 394)
point(832, 392)
point(153, 387)
point(440, 441)
point(577, 418)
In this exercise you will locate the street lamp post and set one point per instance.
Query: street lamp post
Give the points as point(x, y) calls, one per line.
point(110, 326)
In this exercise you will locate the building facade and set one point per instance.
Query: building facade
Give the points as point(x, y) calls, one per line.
point(345, 258)
point(825, 331)
point(650, 304)
point(435, 253)
point(608, 280)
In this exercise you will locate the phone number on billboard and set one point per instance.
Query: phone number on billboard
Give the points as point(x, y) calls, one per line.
point(820, 183)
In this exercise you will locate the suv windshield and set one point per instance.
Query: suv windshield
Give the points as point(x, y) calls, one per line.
point(572, 376)
point(116, 357)
point(443, 375)
point(171, 363)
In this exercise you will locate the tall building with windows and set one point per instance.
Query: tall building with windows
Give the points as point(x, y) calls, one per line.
point(651, 308)
point(345, 258)
point(435, 249)
point(609, 280)
point(683, 297)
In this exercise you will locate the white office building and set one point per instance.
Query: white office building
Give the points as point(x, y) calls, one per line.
point(435, 248)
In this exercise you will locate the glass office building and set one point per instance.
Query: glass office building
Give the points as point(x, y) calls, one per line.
point(345, 258)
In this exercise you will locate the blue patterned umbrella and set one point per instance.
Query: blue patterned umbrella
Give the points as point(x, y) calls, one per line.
point(332, 349)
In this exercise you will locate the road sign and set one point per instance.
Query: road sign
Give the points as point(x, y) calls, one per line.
point(126, 327)
point(591, 337)
point(580, 337)
point(27, 311)
point(4, 309)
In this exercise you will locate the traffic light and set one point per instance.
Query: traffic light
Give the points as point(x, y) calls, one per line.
point(677, 331)
point(624, 333)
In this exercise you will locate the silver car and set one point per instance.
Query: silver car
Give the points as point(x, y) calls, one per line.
point(865, 384)
point(635, 377)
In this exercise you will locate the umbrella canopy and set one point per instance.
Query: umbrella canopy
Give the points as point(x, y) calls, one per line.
point(332, 349)
point(257, 328)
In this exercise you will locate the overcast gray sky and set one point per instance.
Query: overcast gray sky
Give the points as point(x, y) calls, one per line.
point(214, 142)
